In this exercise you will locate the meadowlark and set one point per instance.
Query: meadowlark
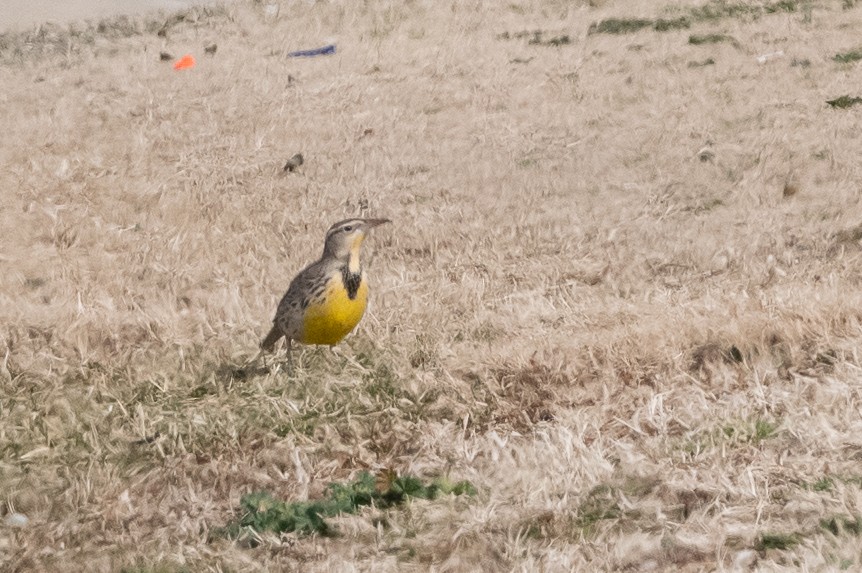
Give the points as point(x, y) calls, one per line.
point(327, 299)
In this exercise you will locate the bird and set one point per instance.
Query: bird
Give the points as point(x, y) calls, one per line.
point(327, 299)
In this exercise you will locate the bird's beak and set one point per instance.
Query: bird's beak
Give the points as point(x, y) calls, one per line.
point(376, 222)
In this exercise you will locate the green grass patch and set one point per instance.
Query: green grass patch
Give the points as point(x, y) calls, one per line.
point(764, 429)
point(749, 432)
point(260, 512)
point(629, 25)
point(668, 24)
point(619, 25)
point(782, 6)
point(721, 9)
point(735, 433)
point(842, 525)
point(780, 541)
point(600, 504)
point(554, 41)
point(844, 101)
point(823, 484)
point(537, 38)
point(848, 57)
point(702, 39)
point(711, 11)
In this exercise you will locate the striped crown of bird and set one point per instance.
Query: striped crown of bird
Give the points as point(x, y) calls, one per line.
point(327, 299)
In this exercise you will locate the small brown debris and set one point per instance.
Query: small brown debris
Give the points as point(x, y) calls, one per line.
point(790, 189)
point(211, 49)
point(293, 163)
point(147, 440)
point(706, 154)
point(165, 56)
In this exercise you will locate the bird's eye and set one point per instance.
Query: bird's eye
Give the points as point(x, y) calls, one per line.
point(348, 228)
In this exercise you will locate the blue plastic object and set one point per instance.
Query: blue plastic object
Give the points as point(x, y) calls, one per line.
point(324, 51)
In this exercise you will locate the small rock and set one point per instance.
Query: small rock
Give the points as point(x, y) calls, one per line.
point(211, 49)
point(293, 163)
point(762, 59)
point(165, 56)
point(16, 520)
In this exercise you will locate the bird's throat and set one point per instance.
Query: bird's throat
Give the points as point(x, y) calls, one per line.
point(353, 258)
point(351, 274)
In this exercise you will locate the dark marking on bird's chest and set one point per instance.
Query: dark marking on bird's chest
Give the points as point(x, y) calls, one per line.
point(351, 281)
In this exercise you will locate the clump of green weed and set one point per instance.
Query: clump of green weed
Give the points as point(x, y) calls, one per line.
point(748, 432)
point(741, 432)
point(782, 6)
point(839, 525)
point(600, 504)
point(666, 25)
point(780, 541)
point(559, 40)
point(537, 38)
point(260, 512)
point(844, 101)
point(848, 57)
point(711, 11)
point(720, 9)
point(701, 39)
point(629, 25)
point(823, 484)
point(619, 26)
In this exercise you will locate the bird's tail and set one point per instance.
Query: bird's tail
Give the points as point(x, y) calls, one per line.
point(271, 338)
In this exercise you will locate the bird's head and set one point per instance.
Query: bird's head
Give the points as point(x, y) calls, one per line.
point(344, 239)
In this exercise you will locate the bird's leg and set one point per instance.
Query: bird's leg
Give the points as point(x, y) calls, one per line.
point(289, 357)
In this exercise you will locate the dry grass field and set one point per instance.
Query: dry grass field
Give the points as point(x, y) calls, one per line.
point(620, 296)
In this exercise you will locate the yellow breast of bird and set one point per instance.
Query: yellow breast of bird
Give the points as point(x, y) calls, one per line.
point(332, 316)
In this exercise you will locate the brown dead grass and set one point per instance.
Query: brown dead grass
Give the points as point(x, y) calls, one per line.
point(596, 302)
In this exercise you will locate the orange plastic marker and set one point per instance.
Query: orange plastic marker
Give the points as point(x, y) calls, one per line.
point(184, 63)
